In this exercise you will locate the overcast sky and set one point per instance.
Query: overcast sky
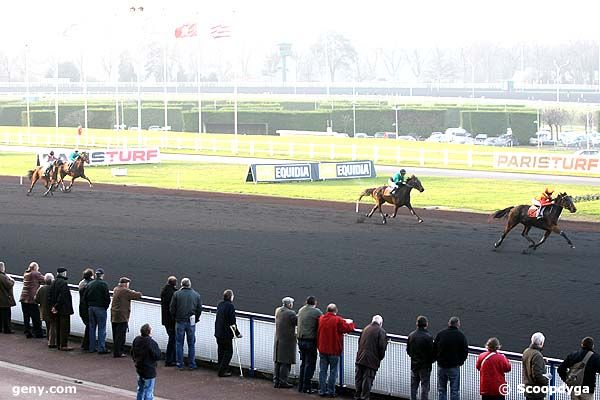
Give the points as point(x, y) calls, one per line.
point(56, 26)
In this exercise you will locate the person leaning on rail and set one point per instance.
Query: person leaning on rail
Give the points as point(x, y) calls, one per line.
point(372, 345)
point(32, 280)
point(225, 325)
point(492, 366)
point(61, 307)
point(592, 367)
point(84, 313)
point(41, 297)
point(186, 308)
point(534, 368)
point(452, 351)
point(167, 320)
point(120, 309)
point(97, 298)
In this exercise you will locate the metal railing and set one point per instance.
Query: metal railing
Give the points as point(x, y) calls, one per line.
point(256, 350)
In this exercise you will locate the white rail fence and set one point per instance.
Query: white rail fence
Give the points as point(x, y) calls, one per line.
point(256, 350)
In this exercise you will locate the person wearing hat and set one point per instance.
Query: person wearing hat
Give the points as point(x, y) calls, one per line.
point(119, 314)
point(32, 279)
point(97, 298)
point(72, 158)
point(397, 180)
point(60, 304)
point(50, 160)
point(284, 347)
point(543, 200)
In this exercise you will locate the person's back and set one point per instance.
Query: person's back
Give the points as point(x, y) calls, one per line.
point(534, 367)
point(372, 345)
point(308, 321)
point(420, 349)
point(452, 348)
point(330, 333)
point(185, 303)
point(225, 317)
point(592, 366)
point(145, 353)
point(97, 294)
point(121, 303)
point(186, 308)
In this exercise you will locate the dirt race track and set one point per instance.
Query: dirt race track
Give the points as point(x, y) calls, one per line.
point(267, 248)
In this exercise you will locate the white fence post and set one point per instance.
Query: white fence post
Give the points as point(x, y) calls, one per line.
point(470, 158)
point(332, 151)
point(446, 157)
point(422, 160)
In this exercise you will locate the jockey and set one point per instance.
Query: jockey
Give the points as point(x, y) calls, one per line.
point(50, 160)
point(543, 200)
point(72, 158)
point(397, 180)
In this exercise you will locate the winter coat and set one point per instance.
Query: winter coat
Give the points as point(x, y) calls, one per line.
point(491, 373)
point(7, 299)
point(308, 322)
point(284, 346)
point(83, 306)
point(166, 294)
point(371, 346)
point(185, 303)
point(534, 368)
point(420, 349)
point(330, 334)
point(145, 353)
point(120, 308)
point(96, 294)
point(31, 283)
point(59, 296)
point(452, 348)
point(224, 319)
point(41, 297)
point(589, 373)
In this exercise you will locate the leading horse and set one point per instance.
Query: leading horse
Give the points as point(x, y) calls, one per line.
point(382, 195)
point(76, 171)
point(548, 223)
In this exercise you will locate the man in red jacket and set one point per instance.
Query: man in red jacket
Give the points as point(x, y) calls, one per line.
point(330, 343)
point(492, 366)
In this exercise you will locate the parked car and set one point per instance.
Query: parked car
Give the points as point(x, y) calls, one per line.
point(491, 141)
point(437, 137)
point(154, 128)
point(480, 138)
point(361, 135)
point(540, 137)
point(385, 135)
point(587, 153)
point(407, 137)
point(133, 128)
point(506, 140)
point(462, 138)
point(120, 127)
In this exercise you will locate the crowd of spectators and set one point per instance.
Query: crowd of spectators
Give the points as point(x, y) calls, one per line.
point(314, 335)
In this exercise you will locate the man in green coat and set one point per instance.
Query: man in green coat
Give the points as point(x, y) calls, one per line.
point(397, 180)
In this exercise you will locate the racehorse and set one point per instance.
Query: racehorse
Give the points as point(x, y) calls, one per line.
point(76, 171)
point(382, 195)
point(40, 173)
point(548, 223)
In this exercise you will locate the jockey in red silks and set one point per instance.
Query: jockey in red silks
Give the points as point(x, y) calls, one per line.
point(545, 199)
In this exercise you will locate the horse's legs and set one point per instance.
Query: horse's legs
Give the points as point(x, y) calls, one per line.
point(87, 179)
point(543, 239)
point(509, 226)
point(381, 212)
point(556, 229)
point(34, 179)
point(525, 232)
point(414, 213)
point(396, 207)
point(372, 210)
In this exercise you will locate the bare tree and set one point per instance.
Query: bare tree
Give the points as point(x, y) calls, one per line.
point(555, 118)
point(415, 60)
point(441, 67)
point(271, 64)
point(392, 59)
point(335, 52)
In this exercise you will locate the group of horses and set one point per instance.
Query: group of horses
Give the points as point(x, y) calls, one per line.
point(515, 215)
point(58, 171)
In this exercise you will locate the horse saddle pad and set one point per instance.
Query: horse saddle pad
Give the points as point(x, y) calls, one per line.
point(532, 211)
point(387, 191)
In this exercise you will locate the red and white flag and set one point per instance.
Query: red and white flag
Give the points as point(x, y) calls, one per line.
point(186, 30)
point(220, 31)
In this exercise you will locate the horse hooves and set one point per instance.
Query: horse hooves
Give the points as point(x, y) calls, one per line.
point(420, 221)
point(572, 246)
point(384, 222)
point(525, 251)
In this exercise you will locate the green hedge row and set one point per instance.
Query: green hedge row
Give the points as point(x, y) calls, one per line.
point(495, 123)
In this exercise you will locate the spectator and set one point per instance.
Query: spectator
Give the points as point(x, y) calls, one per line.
point(7, 300)
point(421, 350)
point(166, 294)
point(61, 306)
point(452, 350)
point(534, 368)
point(492, 366)
point(145, 353)
point(120, 310)
point(225, 325)
point(330, 342)
point(88, 276)
point(592, 367)
point(97, 298)
point(371, 350)
point(41, 297)
point(284, 348)
point(32, 279)
point(308, 321)
point(186, 307)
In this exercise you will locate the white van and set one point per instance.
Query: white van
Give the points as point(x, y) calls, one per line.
point(458, 135)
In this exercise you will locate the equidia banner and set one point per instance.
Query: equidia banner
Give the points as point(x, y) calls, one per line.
point(110, 156)
point(310, 171)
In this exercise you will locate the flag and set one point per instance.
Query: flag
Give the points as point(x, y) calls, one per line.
point(186, 30)
point(220, 31)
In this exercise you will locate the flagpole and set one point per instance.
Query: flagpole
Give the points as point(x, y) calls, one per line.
point(165, 82)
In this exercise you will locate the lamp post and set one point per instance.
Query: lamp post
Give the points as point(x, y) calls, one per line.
point(285, 50)
point(137, 12)
point(557, 80)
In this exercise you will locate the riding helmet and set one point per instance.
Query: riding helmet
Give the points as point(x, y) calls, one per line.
point(402, 171)
point(52, 153)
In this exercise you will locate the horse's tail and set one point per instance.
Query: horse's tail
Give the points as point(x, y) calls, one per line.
point(366, 192)
point(30, 174)
point(501, 213)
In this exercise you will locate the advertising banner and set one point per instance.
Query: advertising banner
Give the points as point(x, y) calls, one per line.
point(110, 156)
point(346, 170)
point(549, 162)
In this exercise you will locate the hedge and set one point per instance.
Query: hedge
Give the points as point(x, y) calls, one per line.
point(495, 123)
